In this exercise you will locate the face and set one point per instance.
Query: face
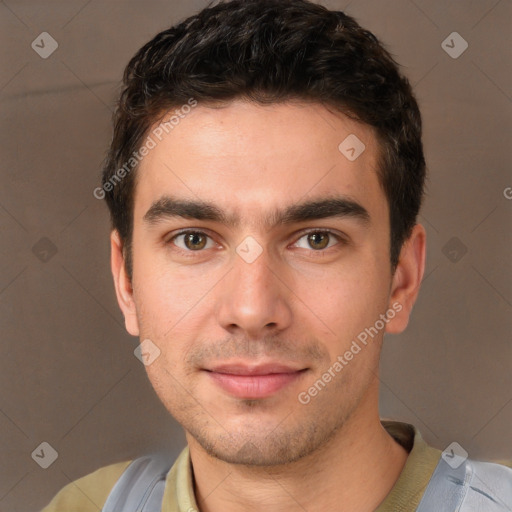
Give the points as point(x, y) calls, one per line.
point(260, 260)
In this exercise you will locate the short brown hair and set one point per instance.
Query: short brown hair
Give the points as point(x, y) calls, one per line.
point(270, 51)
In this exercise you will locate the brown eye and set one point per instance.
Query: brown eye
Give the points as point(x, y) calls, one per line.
point(195, 241)
point(192, 241)
point(318, 240)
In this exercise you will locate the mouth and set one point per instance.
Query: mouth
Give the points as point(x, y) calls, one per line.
point(256, 381)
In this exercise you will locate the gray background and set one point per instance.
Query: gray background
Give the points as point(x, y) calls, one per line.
point(68, 374)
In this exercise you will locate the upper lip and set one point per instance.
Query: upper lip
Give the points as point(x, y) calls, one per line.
point(254, 369)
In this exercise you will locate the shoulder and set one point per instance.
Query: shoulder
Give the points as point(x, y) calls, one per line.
point(471, 485)
point(482, 486)
point(485, 475)
point(89, 493)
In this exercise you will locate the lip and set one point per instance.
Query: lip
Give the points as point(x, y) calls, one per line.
point(254, 381)
point(254, 369)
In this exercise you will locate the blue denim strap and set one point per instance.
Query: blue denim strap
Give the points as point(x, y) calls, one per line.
point(472, 486)
point(141, 487)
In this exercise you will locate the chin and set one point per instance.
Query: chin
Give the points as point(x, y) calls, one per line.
point(259, 449)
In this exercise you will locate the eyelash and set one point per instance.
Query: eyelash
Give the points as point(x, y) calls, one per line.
point(319, 252)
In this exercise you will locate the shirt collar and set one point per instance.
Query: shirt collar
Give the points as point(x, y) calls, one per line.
point(404, 496)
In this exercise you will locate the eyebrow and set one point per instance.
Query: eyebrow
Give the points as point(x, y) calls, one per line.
point(341, 207)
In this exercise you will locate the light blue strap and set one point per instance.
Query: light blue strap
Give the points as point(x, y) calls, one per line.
point(446, 489)
point(473, 486)
point(141, 487)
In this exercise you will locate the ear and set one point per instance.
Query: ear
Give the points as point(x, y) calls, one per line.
point(123, 285)
point(406, 281)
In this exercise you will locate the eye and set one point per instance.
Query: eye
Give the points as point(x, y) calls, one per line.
point(192, 241)
point(318, 240)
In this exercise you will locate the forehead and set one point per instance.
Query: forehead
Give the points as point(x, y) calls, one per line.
point(249, 159)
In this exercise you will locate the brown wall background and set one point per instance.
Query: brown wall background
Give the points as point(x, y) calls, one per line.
point(68, 374)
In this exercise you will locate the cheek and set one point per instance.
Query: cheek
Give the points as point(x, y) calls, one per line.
point(344, 300)
point(167, 295)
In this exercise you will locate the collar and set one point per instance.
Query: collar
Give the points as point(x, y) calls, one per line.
point(404, 496)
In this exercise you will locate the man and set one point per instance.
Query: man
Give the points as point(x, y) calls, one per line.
point(264, 180)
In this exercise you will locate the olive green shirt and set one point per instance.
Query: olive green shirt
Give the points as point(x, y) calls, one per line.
point(88, 494)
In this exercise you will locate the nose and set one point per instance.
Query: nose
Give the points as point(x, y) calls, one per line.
point(254, 300)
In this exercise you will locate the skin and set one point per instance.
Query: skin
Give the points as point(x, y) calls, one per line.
point(294, 304)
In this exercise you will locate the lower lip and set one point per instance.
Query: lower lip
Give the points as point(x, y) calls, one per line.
point(254, 386)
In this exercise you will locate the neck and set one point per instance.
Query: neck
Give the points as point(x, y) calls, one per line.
point(355, 470)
